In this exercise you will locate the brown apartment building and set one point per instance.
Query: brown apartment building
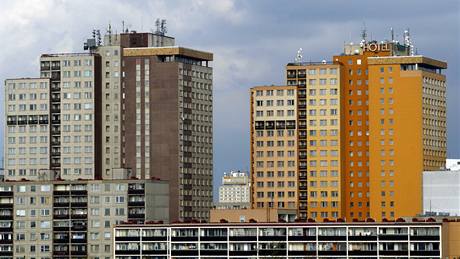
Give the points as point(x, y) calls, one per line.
point(368, 124)
point(167, 123)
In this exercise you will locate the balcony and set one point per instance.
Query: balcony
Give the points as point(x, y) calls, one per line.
point(61, 216)
point(45, 65)
point(184, 252)
point(43, 120)
point(244, 253)
point(55, 65)
point(393, 237)
point(79, 216)
point(79, 252)
point(78, 227)
point(259, 125)
point(311, 253)
point(61, 193)
point(79, 204)
point(269, 125)
point(56, 75)
point(363, 252)
point(394, 252)
point(136, 216)
point(136, 203)
point(136, 191)
point(6, 206)
point(78, 240)
point(290, 124)
point(61, 240)
point(291, 74)
point(280, 124)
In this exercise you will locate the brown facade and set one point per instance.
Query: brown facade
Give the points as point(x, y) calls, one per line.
point(164, 130)
point(167, 125)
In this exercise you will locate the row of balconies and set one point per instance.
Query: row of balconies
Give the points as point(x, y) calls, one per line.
point(290, 124)
point(27, 119)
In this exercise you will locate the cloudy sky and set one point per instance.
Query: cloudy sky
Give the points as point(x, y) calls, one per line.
point(251, 42)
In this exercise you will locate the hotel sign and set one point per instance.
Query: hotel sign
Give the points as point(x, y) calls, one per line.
point(374, 47)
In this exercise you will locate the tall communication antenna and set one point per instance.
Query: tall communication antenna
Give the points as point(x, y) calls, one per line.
point(109, 32)
point(392, 34)
point(299, 56)
point(363, 35)
point(408, 42)
point(163, 28)
point(160, 27)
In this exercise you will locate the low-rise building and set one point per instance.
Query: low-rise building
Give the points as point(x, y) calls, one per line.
point(288, 240)
point(453, 164)
point(441, 193)
point(257, 215)
point(74, 219)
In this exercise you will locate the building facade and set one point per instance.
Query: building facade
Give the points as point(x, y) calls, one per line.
point(407, 128)
point(319, 138)
point(74, 219)
point(362, 144)
point(273, 147)
point(135, 106)
point(65, 99)
point(453, 164)
point(441, 193)
point(294, 240)
point(235, 190)
point(168, 116)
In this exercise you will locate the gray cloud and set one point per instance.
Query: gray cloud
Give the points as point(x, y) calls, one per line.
point(251, 40)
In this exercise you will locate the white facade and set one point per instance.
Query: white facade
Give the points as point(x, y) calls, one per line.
point(441, 192)
point(453, 164)
point(235, 188)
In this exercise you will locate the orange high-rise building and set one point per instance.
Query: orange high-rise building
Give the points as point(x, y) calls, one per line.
point(407, 127)
point(355, 91)
point(367, 125)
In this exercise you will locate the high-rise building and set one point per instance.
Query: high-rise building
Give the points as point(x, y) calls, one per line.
point(319, 138)
point(273, 147)
point(368, 124)
point(52, 121)
point(167, 123)
point(235, 191)
point(135, 106)
point(407, 128)
point(355, 85)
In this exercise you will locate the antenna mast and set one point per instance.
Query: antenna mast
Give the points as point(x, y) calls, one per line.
point(299, 56)
point(363, 35)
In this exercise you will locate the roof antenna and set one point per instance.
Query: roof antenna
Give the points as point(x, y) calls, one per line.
point(408, 42)
point(157, 25)
point(122, 26)
point(363, 35)
point(299, 56)
point(163, 28)
point(109, 32)
point(392, 34)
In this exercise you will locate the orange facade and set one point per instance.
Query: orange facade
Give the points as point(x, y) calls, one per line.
point(407, 129)
point(355, 89)
point(366, 158)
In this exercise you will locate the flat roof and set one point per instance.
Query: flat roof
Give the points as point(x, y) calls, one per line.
point(288, 224)
point(164, 51)
point(406, 60)
point(265, 87)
